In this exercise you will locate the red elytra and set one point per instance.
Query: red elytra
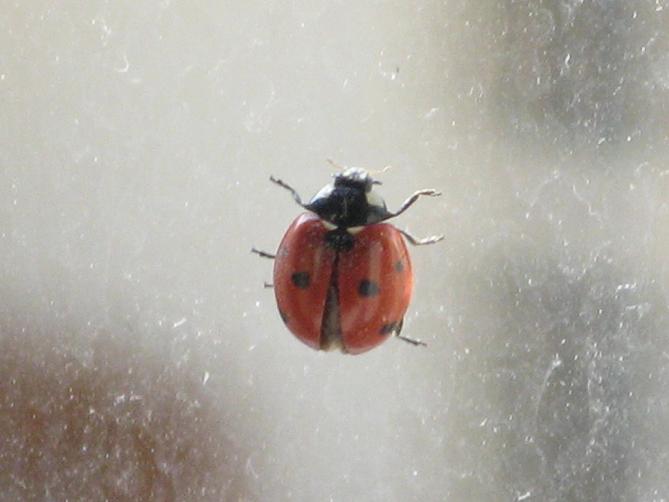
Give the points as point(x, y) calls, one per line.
point(342, 277)
point(352, 298)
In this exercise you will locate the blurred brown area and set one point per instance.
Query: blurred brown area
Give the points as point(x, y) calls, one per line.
point(122, 426)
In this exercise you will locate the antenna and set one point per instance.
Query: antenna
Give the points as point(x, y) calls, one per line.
point(373, 173)
point(385, 168)
point(335, 165)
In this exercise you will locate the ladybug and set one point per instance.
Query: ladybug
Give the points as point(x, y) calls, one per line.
point(342, 277)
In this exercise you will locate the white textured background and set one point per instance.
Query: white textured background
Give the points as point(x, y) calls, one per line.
point(140, 356)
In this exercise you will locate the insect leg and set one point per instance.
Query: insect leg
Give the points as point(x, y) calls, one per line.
point(412, 341)
point(420, 242)
point(409, 202)
point(292, 191)
point(263, 254)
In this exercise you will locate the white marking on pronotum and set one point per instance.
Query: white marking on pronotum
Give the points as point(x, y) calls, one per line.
point(374, 199)
point(324, 192)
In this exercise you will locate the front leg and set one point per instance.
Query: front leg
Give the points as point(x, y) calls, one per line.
point(409, 202)
point(292, 191)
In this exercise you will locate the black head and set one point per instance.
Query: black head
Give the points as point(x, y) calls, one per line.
point(355, 178)
point(350, 200)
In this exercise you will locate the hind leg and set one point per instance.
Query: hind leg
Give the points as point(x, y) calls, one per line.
point(412, 341)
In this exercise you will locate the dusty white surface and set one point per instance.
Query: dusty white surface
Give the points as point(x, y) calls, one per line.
point(141, 357)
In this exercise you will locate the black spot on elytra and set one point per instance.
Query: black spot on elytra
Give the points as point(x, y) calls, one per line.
point(301, 279)
point(368, 288)
point(388, 328)
point(399, 266)
point(284, 317)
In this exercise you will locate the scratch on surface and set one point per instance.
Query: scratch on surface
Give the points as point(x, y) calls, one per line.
point(126, 66)
point(583, 201)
